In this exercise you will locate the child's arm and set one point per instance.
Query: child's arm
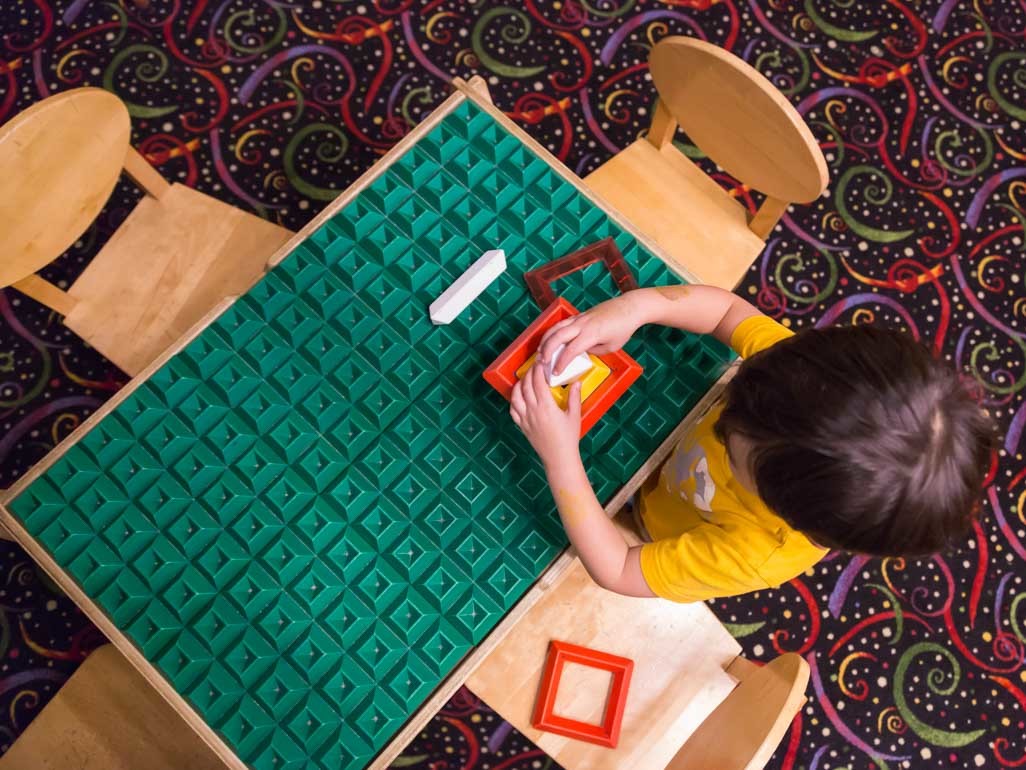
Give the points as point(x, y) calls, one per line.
point(607, 326)
point(554, 435)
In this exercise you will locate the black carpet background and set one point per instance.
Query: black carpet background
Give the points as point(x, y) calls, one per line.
point(276, 106)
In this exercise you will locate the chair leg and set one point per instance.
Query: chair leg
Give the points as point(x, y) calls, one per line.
point(144, 175)
point(767, 216)
point(663, 127)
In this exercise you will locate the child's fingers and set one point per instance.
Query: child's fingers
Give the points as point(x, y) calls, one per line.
point(552, 330)
point(539, 386)
point(516, 399)
point(560, 336)
point(557, 326)
point(527, 389)
point(574, 401)
point(515, 415)
point(574, 348)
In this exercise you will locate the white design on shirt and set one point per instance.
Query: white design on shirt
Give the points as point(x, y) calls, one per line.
point(689, 477)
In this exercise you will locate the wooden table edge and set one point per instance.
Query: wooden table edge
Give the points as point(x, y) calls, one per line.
point(475, 91)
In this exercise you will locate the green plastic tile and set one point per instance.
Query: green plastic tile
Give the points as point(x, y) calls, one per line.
point(309, 516)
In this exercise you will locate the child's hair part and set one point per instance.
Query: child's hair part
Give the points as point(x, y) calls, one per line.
point(861, 439)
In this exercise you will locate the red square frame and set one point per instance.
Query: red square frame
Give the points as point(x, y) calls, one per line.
point(623, 370)
point(605, 734)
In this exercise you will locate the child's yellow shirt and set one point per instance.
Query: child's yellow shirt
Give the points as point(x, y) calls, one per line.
point(712, 537)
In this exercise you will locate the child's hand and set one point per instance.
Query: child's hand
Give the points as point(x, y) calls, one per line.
point(553, 433)
point(603, 329)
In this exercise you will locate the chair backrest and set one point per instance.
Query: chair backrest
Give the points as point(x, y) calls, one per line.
point(744, 730)
point(59, 162)
point(738, 118)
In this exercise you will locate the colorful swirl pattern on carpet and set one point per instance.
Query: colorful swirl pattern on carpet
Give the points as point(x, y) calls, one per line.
point(919, 106)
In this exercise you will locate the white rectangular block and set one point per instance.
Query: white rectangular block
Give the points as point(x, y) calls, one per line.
point(468, 287)
point(578, 367)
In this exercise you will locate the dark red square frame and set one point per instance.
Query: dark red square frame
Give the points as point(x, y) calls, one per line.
point(623, 370)
point(539, 281)
point(561, 653)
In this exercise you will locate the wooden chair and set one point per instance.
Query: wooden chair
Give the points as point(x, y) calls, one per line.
point(744, 124)
point(176, 256)
point(107, 717)
point(693, 704)
point(745, 729)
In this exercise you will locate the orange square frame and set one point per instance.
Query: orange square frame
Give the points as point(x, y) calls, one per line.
point(623, 370)
point(605, 734)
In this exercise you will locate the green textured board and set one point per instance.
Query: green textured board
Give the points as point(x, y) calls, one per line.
point(308, 516)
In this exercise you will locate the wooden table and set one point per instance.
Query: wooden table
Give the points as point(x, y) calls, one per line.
point(703, 680)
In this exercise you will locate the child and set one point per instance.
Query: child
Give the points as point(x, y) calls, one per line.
point(851, 437)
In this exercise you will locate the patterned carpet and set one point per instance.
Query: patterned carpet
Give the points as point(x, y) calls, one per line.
point(919, 107)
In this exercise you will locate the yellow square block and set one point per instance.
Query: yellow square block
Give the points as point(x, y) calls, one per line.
point(589, 383)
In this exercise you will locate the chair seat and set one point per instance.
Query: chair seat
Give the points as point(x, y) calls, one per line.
point(673, 202)
point(108, 717)
point(680, 652)
point(172, 260)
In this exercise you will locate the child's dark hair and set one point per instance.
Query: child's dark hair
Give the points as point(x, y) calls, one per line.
point(861, 439)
